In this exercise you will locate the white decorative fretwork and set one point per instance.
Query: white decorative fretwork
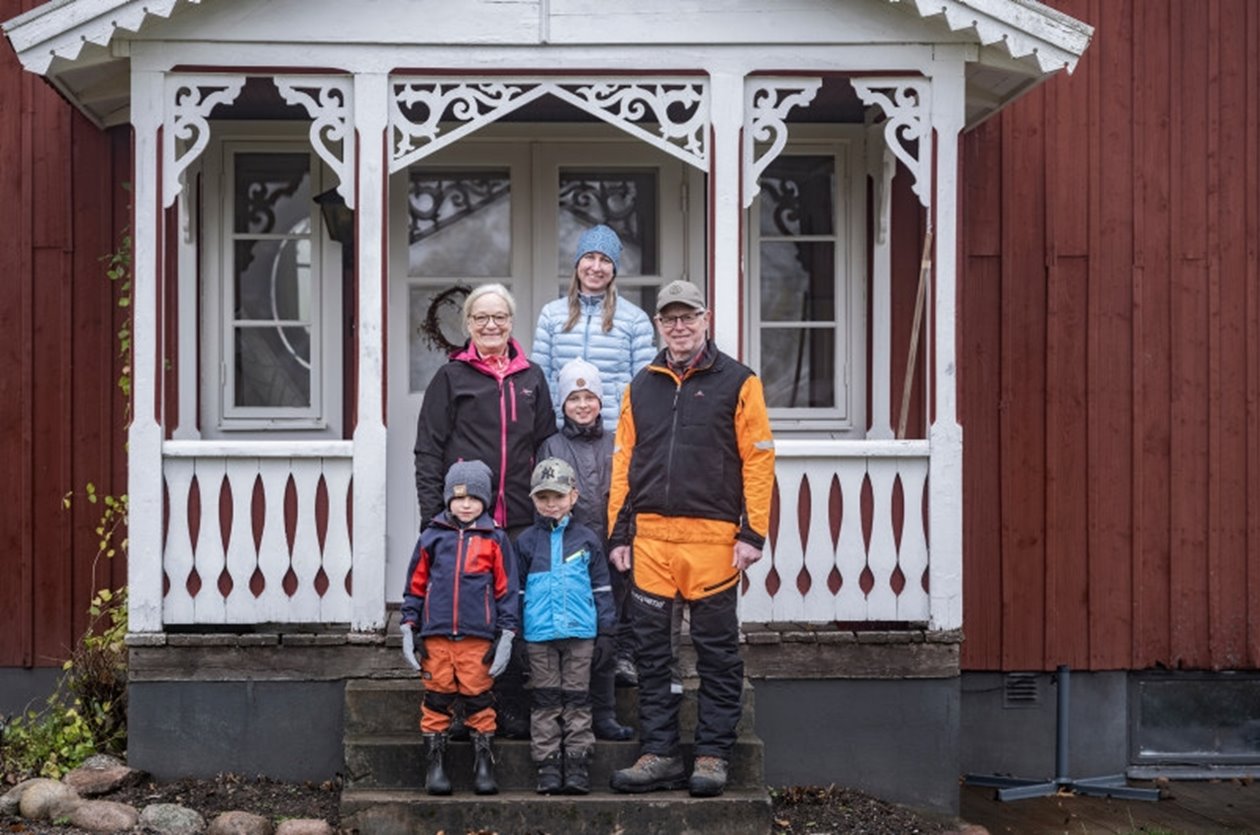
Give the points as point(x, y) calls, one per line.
point(330, 102)
point(189, 100)
point(906, 103)
point(767, 102)
point(670, 113)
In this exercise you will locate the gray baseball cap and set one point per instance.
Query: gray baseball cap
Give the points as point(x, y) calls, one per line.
point(680, 292)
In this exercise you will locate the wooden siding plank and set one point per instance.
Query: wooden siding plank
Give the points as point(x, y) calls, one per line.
point(907, 253)
point(16, 559)
point(1067, 315)
point(1251, 280)
point(1023, 386)
point(1228, 360)
point(1188, 340)
point(1152, 83)
point(1109, 337)
point(53, 574)
point(92, 352)
point(979, 395)
point(1067, 568)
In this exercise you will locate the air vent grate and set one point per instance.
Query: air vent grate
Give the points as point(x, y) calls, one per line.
point(1021, 690)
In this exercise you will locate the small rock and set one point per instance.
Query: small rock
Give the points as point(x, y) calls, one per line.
point(43, 799)
point(304, 826)
point(172, 819)
point(101, 774)
point(240, 823)
point(103, 816)
point(10, 800)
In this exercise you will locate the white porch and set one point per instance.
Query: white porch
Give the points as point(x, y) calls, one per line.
point(284, 530)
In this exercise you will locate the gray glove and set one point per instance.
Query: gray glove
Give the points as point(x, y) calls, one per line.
point(409, 647)
point(502, 653)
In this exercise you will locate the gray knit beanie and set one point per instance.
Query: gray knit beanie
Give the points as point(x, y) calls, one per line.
point(467, 478)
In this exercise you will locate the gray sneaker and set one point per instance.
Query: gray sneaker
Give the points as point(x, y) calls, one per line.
point(650, 773)
point(708, 778)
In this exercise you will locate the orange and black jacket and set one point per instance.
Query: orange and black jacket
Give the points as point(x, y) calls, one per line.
point(696, 446)
point(462, 580)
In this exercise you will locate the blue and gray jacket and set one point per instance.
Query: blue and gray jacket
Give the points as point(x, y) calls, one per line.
point(564, 581)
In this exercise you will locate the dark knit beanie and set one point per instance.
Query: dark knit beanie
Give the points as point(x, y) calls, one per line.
point(467, 478)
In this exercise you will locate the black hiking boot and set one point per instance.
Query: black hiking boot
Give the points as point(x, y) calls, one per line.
point(577, 779)
point(549, 780)
point(483, 764)
point(435, 779)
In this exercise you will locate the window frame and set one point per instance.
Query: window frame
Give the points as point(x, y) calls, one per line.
point(221, 416)
point(847, 418)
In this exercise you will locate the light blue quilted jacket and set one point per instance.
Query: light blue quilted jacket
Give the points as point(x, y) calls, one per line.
point(619, 354)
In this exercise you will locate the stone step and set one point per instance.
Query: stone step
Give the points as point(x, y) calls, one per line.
point(382, 812)
point(390, 706)
point(396, 761)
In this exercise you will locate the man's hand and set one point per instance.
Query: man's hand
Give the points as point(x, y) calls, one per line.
point(620, 558)
point(745, 555)
point(500, 653)
point(409, 648)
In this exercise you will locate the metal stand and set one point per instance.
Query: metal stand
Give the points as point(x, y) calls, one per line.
point(1016, 788)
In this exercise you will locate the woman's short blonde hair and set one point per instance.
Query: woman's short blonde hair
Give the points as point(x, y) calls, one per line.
point(480, 290)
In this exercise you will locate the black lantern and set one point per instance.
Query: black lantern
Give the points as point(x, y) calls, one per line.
point(338, 218)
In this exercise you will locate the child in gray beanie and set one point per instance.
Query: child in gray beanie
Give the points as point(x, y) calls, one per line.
point(461, 561)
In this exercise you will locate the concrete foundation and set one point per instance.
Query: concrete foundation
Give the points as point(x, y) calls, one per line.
point(22, 689)
point(897, 740)
point(286, 730)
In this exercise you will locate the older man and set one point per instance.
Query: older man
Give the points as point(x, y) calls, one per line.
point(693, 469)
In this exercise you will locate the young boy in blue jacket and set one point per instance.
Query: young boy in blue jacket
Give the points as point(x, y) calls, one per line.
point(461, 592)
point(568, 612)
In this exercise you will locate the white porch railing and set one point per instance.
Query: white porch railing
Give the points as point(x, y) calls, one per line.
point(848, 535)
point(257, 532)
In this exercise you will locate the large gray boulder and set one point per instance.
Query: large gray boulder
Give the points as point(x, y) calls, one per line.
point(103, 816)
point(172, 819)
point(240, 823)
point(44, 799)
point(101, 774)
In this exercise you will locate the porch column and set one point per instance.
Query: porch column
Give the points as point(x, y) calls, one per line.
point(144, 436)
point(945, 499)
point(726, 257)
point(370, 120)
point(882, 167)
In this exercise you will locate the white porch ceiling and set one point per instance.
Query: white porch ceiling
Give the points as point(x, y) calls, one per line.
point(83, 46)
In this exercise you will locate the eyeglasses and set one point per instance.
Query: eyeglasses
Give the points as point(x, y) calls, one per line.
point(483, 319)
point(687, 319)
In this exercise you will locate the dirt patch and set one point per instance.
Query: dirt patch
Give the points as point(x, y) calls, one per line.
point(812, 810)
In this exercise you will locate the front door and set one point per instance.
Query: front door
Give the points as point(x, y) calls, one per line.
point(509, 208)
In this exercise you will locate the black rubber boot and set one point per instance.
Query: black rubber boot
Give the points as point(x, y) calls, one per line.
point(549, 780)
point(576, 778)
point(435, 779)
point(483, 764)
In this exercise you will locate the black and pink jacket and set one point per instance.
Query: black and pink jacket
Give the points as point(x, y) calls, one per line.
point(471, 411)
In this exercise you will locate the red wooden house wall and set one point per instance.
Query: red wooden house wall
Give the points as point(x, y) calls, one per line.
point(1110, 352)
point(63, 204)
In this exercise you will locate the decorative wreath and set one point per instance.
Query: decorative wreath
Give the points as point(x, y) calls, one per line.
point(452, 297)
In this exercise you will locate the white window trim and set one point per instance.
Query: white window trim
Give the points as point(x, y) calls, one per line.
point(323, 418)
point(848, 418)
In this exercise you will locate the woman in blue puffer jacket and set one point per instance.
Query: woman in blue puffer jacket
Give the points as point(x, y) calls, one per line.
point(594, 323)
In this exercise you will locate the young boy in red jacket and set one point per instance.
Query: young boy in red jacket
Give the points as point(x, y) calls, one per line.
point(461, 593)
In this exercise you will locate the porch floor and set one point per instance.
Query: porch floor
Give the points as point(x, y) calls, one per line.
point(1190, 806)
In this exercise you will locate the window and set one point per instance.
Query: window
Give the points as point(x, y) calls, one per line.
point(805, 317)
point(278, 294)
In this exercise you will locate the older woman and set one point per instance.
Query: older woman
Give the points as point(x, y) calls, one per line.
point(593, 323)
point(488, 403)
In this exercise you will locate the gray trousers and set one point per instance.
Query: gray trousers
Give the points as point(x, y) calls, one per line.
point(560, 681)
